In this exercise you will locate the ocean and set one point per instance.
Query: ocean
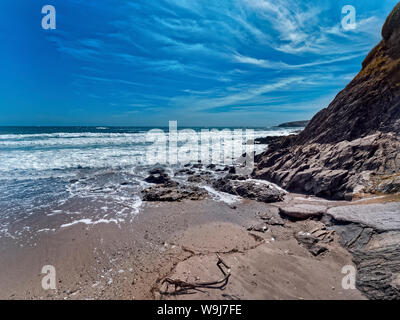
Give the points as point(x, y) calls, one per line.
point(53, 177)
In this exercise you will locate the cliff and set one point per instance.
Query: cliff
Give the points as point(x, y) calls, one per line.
point(353, 145)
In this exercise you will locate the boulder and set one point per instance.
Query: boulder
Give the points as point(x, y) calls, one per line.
point(170, 194)
point(158, 177)
point(262, 227)
point(250, 188)
point(310, 242)
point(380, 216)
point(272, 217)
point(302, 211)
point(232, 170)
point(184, 172)
point(157, 171)
point(372, 234)
point(198, 178)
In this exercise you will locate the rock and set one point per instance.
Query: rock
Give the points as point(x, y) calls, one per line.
point(231, 176)
point(184, 172)
point(259, 228)
point(226, 168)
point(302, 211)
point(353, 236)
point(310, 242)
point(294, 124)
point(388, 184)
point(205, 173)
point(251, 189)
point(381, 217)
point(377, 258)
point(267, 140)
point(322, 234)
point(316, 250)
point(274, 221)
point(198, 179)
point(392, 23)
point(352, 146)
point(372, 234)
point(232, 170)
point(158, 171)
point(171, 194)
point(160, 178)
point(335, 170)
point(377, 271)
point(272, 217)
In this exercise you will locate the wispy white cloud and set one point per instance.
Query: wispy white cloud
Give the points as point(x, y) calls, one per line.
point(242, 94)
point(202, 56)
point(267, 64)
point(300, 30)
point(110, 80)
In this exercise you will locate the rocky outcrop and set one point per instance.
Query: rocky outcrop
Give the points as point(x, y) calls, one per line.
point(294, 124)
point(168, 190)
point(272, 217)
point(381, 217)
point(302, 211)
point(249, 188)
point(353, 145)
point(165, 193)
point(310, 242)
point(372, 234)
point(338, 171)
point(159, 176)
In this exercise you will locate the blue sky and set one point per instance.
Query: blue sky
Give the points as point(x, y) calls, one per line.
point(203, 63)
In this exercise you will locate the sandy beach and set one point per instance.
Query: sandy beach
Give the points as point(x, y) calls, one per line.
point(179, 241)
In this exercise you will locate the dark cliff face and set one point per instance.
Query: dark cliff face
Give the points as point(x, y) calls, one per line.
point(371, 101)
point(353, 145)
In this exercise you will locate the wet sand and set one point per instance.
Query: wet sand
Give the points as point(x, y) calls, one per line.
point(179, 241)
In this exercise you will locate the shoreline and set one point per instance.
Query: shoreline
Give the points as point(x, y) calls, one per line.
point(130, 260)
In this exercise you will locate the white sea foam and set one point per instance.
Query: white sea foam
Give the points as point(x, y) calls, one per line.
point(222, 196)
point(45, 230)
point(33, 153)
point(258, 182)
point(91, 222)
